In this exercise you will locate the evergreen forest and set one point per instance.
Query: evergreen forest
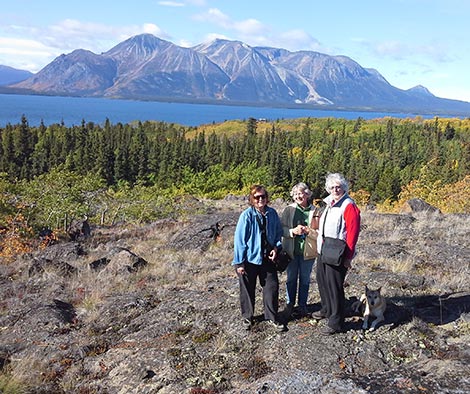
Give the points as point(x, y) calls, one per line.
point(143, 171)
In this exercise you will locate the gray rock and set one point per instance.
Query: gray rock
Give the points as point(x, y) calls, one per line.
point(419, 205)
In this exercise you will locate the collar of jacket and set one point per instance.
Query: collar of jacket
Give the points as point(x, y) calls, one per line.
point(328, 200)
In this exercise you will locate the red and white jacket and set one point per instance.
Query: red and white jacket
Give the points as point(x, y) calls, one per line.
point(341, 219)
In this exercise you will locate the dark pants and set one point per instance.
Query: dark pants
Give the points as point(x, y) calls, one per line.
point(330, 282)
point(268, 280)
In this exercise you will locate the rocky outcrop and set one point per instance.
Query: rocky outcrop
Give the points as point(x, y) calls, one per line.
point(418, 205)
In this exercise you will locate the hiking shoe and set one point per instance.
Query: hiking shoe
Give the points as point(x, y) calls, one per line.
point(301, 312)
point(318, 315)
point(247, 323)
point(327, 330)
point(288, 311)
point(277, 325)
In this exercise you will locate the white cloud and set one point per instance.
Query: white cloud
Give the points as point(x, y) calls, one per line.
point(25, 53)
point(151, 28)
point(69, 34)
point(394, 49)
point(185, 43)
point(207, 38)
point(398, 50)
point(245, 27)
point(299, 40)
point(216, 17)
point(20, 44)
point(255, 33)
point(214, 36)
point(249, 27)
point(198, 3)
point(171, 4)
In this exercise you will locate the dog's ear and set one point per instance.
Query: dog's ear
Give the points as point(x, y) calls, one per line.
point(379, 289)
point(367, 289)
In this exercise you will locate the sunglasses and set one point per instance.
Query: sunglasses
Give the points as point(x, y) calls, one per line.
point(260, 197)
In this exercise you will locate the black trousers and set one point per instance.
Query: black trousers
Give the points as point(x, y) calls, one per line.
point(330, 280)
point(269, 281)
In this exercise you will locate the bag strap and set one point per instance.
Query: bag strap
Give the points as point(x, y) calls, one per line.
point(324, 220)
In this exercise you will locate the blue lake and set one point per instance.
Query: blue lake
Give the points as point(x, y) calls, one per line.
point(72, 110)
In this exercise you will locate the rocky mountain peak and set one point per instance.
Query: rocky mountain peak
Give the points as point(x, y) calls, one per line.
point(137, 50)
point(420, 89)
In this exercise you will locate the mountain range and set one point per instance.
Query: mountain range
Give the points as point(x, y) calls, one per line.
point(145, 67)
point(9, 75)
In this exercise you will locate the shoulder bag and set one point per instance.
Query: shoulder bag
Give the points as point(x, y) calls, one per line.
point(332, 249)
point(282, 259)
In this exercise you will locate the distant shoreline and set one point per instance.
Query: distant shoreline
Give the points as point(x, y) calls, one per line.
point(315, 107)
point(48, 109)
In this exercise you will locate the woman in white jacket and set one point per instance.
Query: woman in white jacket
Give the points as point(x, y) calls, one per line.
point(299, 225)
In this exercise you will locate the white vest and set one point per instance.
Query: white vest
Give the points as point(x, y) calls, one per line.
point(334, 226)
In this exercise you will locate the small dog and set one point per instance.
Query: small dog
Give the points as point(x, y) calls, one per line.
point(371, 303)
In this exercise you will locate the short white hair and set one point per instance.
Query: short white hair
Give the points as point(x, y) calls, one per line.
point(302, 187)
point(336, 178)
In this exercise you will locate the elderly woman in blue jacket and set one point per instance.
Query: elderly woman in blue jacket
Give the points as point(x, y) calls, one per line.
point(299, 223)
point(257, 240)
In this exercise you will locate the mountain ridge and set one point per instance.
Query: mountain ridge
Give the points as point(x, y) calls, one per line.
point(10, 75)
point(230, 72)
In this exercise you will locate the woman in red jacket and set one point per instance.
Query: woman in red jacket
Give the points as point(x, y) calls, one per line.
point(340, 219)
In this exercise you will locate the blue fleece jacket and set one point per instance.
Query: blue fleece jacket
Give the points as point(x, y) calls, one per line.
point(247, 238)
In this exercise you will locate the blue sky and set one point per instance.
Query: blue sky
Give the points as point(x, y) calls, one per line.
point(410, 42)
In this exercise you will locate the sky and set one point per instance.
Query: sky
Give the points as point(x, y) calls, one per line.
point(409, 42)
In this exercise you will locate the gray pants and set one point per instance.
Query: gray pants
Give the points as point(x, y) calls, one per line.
point(269, 282)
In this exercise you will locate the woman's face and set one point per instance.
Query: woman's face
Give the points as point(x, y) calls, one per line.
point(300, 197)
point(336, 190)
point(259, 200)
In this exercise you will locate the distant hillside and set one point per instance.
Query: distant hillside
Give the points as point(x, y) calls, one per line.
point(146, 67)
point(10, 75)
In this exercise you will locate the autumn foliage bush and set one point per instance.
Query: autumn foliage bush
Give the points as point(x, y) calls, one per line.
point(15, 238)
point(448, 198)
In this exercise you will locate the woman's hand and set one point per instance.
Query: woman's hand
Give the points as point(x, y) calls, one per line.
point(299, 230)
point(241, 270)
point(272, 254)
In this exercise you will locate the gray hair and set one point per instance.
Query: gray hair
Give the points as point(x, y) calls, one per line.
point(302, 187)
point(336, 178)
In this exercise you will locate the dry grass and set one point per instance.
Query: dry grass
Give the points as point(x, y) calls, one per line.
point(457, 282)
point(402, 265)
point(10, 384)
point(26, 372)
